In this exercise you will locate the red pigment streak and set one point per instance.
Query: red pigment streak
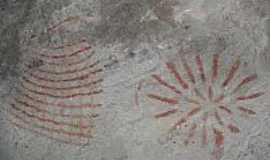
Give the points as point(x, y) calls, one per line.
point(233, 128)
point(193, 112)
point(69, 71)
point(59, 131)
point(218, 118)
point(63, 105)
point(48, 136)
point(210, 93)
point(63, 96)
point(231, 73)
point(219, 141)
point(190, 100)
point(70, 55)
point(83, 77)
point(44, 119)
point(162, 82)
point(245, 81)
point(200, 67)
point(62, 88)
point(191, 133)
point(68, 45)
point(199, 94)
point(163, 99)
point(38, 109)
point(225, 109)
point(219, 98)
point(248, 111)
point(252, 96)
point(166, 113)
point(215, 67)
point(177, 75)
point(68, 19)
point(188, 71)
point(205, 133)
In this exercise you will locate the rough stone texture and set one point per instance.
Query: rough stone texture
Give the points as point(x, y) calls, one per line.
point(133, 39)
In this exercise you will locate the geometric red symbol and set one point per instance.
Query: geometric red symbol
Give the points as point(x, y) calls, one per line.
point(60, 94)
point(201, 97)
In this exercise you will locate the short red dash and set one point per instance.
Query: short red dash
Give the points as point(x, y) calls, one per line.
point(231, 73)
point(225, 109)
point(252, 96)
point(245, 81)
point(162, 82)
point(215, 67)
point(200, 67)
point(233, 128)
point(177, 75)
point(188, 71)
point(248, 111)
point(163, 99)
point(166, 113)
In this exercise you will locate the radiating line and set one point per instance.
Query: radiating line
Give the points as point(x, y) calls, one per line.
point(252, 96)
point(200, 67)
point(248, 111)
point(162, 82)
point(231, 73)
point(225, 109)
point(166, 113)
point(245, 81)
point(172, 69)
point(188, 71)
point(215, 67)
point(163, 99)
point(218, 118)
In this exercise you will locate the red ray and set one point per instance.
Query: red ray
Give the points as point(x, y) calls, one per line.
point(199, 94)
point(215, 67)
point(163, 99)
point(233, 128)
point(245, 81)
point(225, 109)
point(219, 142)
point(252, 96)
point(218, 118)
point(210, 93)
point(166, 113)
point(193, 112)
point(177, 75)
point(162, 82)
point(188, 71)
point(191, 133)
point(200, 67)
point(219, 98)
point(205, 133)
point(231, 73)
point(248, 111)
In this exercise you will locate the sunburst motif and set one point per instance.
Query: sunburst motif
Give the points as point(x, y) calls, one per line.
point(204, 97)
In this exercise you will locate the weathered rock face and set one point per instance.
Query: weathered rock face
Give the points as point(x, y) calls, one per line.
point(135, 79)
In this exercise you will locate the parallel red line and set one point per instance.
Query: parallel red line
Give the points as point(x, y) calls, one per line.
point(245, 81)
point(248, 111)
point(63, 96)
point(69, 71)
point(200, 67)
point(82, 77)
point(43, 120)
point(166, 113)
point(248, 97)
point(39, 109)
point(62, 105)
point(67, 45)
point(162, 82)
point(59, 131)
point(173, 70)
point(61, 88)
point(46, 135)
point(163, 99)
point(231, 73)
point(70, 55)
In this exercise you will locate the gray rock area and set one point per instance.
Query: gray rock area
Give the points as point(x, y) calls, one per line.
point(135, 80)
